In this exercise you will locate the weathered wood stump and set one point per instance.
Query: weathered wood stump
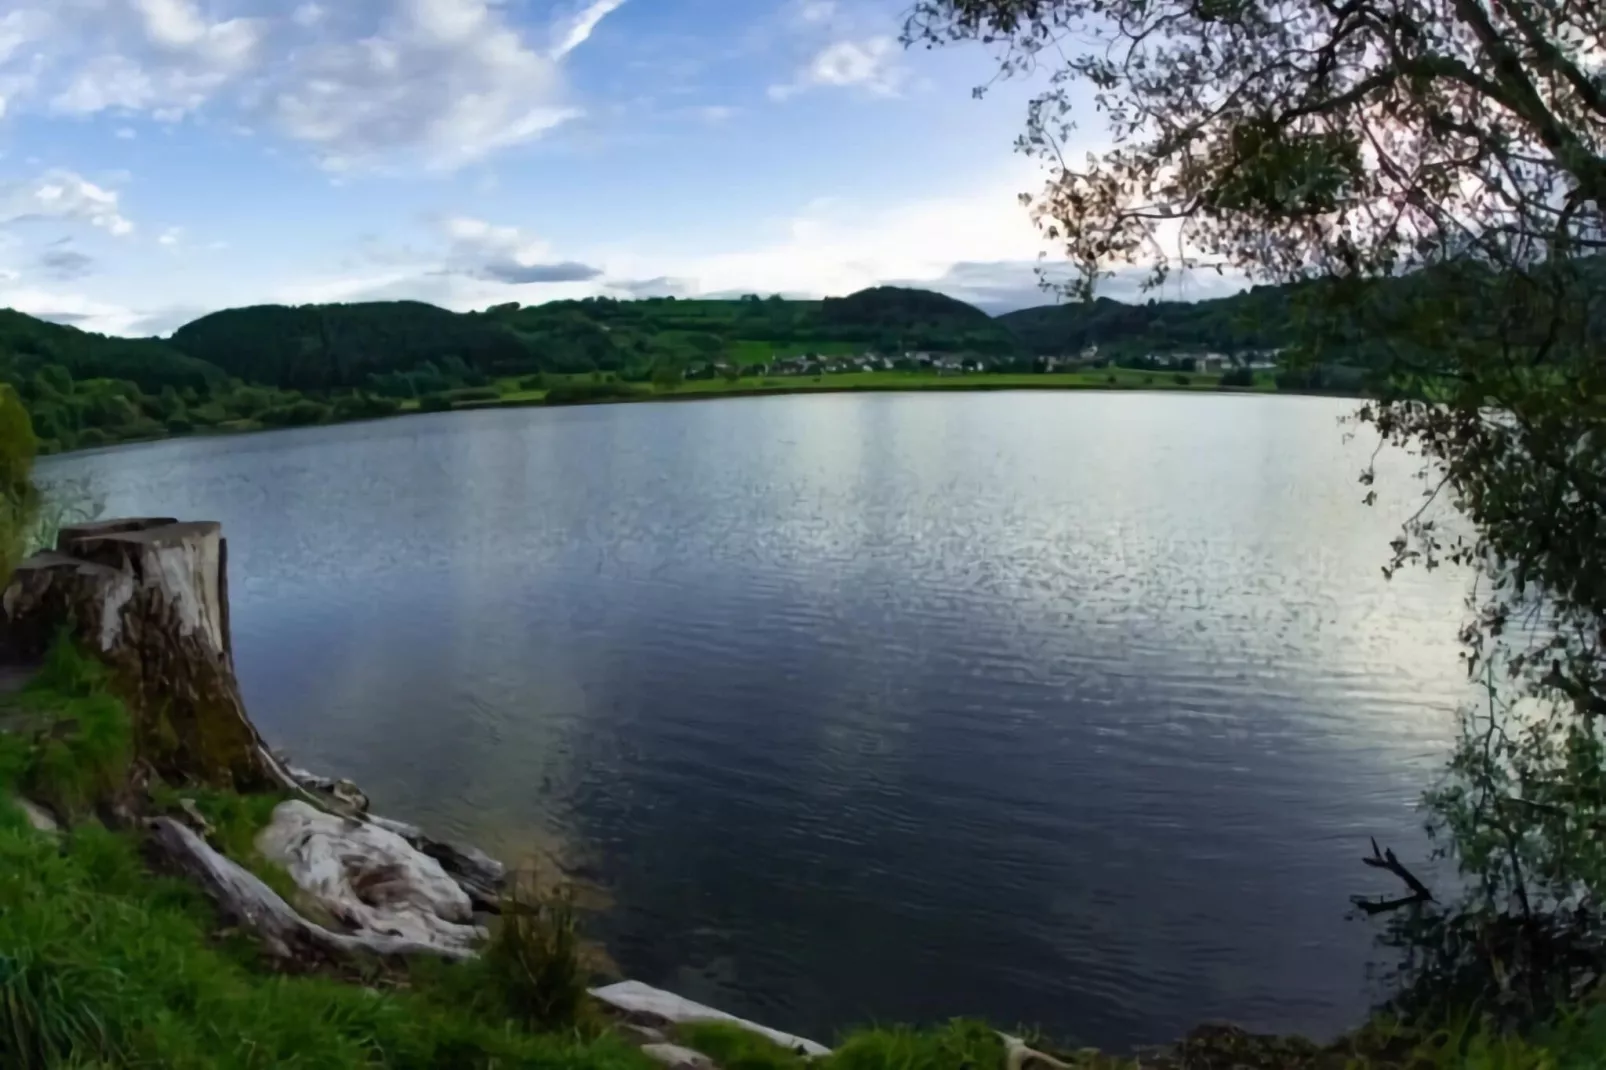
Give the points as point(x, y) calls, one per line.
point(149, 597)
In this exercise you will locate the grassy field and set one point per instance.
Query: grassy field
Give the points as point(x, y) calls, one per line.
point(1104, 379)
point(753, 352)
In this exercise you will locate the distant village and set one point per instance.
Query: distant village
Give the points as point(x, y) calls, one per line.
point(812, 364)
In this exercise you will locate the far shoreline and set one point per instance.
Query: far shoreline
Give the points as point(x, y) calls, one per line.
point(958, 384)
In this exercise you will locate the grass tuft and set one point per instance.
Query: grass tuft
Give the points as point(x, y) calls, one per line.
point(733, 1047)
point(78, 740)
point(535, 957)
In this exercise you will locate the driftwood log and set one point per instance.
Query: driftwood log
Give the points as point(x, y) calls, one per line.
point(244, 900)
point(370, 880)
point(149, 597)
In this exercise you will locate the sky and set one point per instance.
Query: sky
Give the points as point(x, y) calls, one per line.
point(161, 159)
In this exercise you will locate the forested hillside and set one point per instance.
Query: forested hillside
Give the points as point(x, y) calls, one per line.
point(1259, 319)
point(274, 365)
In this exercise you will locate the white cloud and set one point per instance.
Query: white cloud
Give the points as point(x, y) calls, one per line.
point(978, 243)
point(307, 15)
point(126, 133)
point(383, 82)
point(63, 195)
point(816, 10)
point(576, 31)
point(74, 309)
point(447, 80)
point(869, 64)
point(508, 255)
point(157, 56)
point(836, 248)
point(171, 236)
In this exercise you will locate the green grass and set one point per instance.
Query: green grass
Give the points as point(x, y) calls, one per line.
point(236, 820)
point(947, 1047)
point(101, 961)
point(1103, 379)
point(70, 742)
point(748, 351)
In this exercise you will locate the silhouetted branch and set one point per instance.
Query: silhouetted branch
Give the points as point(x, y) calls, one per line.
point(1382, 859)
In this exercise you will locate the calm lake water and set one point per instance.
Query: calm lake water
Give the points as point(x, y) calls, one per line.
point(1065, 709)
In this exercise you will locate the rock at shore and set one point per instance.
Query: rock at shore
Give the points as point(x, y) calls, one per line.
point(654, 1004)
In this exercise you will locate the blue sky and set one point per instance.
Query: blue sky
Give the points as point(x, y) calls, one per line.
point(164, 158)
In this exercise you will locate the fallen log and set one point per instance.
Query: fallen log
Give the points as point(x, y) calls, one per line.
point(243, 900)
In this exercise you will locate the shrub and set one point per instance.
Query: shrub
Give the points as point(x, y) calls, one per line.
point(474, 393)
point(534, 957)
point(365, 406)
point(434, 403)
point(19, 501)
point(533, 382)
point(79, 748)
point(1181, 380)
point(296, 414)
point(576, 393)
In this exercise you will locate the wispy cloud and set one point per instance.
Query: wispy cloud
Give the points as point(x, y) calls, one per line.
point(870, 64)
point(577, 30)
point(65, 264)
point(483, 250)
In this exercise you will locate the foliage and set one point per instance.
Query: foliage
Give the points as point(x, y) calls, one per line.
point(319, 347)
point(1261, 319)
point(896, 319)
point(364, 406)
point(1430, 177)
point(296, 414)
point(19, 499)
point(572, 393)
point(956, 1044)
point(535, 957)
point(74, 741)
point(30, 346)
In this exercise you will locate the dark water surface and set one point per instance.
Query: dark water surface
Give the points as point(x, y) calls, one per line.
point(1068, 709)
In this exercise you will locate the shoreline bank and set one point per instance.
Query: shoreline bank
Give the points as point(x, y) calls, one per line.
point(683, 394)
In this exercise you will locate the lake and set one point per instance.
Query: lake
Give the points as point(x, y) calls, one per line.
point(1065, 709)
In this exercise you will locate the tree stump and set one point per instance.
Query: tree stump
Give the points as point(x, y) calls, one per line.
point(149, 598)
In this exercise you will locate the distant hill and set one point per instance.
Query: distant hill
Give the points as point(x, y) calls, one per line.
point(899, 318)
point(1258, 319)
point(28, 344)
point(324, 347)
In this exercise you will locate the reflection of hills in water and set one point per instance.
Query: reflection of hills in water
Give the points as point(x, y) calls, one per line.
point(867, 708)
